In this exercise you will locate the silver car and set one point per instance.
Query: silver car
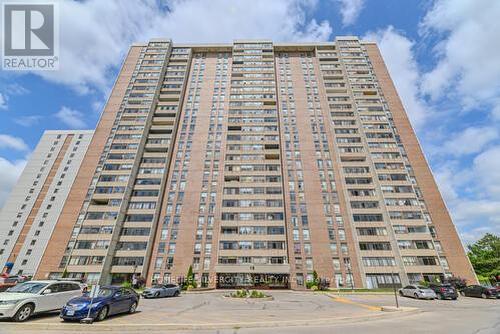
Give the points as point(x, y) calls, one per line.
point(418, 292)
point(162, 290)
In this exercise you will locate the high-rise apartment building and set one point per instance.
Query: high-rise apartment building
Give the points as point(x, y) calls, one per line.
point(255, 163)
point(29, 215)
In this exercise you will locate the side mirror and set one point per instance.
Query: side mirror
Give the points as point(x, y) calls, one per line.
point(46, 292)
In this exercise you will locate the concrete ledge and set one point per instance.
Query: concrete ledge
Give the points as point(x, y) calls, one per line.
point(202, 290)
point(248, 299)
point(398, 309)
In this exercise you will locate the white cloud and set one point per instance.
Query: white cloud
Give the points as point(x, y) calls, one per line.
point(96, 34)
point(71, 117)
point(8, 91)
point(350, 10)
point(11, 142)
point(9, 173)
point(466, 76)
point(468, 65)
point(495, 113)
point(471, 140)
point(28, 121)
point(473, 194)
point(397, 51)
point(487, 172)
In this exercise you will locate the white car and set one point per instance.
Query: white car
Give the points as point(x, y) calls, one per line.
point(23, 300)
point(418, 292)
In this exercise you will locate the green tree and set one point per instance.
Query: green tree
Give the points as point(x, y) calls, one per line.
point(484, 255)
point(190, 281)
point(64, 273)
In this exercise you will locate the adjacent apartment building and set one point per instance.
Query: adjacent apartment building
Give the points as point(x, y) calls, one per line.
point(29, 215)
point(255, 163)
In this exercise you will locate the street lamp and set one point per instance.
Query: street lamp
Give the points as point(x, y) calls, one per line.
point(349, 273)
point(394, 288)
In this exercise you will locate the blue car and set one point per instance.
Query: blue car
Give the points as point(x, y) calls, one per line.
point(110, 300)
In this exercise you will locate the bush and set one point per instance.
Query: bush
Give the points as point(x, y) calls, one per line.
point(247, 294)
point(126, 285)
point(257, 294)
point(315, 283)
point(239, 294)
point(424, 283)
point(189, 282)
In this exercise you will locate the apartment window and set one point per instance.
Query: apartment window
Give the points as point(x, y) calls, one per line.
point(206, 264)
point(158, 263)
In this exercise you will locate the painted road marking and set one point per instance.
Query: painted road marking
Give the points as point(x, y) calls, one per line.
point(348, 301)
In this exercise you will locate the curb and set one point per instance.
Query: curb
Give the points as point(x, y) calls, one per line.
point(248, 299)
point(57, 327)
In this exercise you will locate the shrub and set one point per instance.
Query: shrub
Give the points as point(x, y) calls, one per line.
point(247, 294)
point(126, 285)
point(424, 283)
point(257, 294)
point(189, 282)
point(239, 294)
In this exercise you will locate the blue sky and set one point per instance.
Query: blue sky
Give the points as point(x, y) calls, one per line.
point(442, 55)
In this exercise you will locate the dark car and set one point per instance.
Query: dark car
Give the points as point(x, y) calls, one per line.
point(109, 301)
point(444, 291)
point(480, 291)
point(162, 290)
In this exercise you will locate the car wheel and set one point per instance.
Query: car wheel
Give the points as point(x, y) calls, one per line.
point(416, 296)
point(103, 313)
point(454, 298)
point(24, 313)
point(483, 295)
point(132, 308)
point(177, 293)
point(157, 295)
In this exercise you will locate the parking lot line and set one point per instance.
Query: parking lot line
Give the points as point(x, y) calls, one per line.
point(348, 301)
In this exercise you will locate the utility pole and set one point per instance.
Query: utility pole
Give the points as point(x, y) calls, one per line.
point(394, 288)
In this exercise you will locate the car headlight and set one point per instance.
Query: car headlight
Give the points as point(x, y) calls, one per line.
point(94, 305)
point(9, 302)
point(77, 307)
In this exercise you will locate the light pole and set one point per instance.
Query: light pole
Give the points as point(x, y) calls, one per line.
point(349, 273)
point(394, 288)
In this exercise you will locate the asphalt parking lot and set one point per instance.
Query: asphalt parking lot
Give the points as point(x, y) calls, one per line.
point(289, 312)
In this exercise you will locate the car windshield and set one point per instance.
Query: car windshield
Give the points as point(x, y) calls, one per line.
point(28, 287)
point(157, 286)
point(103, 292)
point(421, 287)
